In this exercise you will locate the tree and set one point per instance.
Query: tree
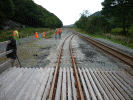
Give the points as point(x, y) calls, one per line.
point(27, 13)
point(6, 10)
point(81, 23)
point(31, 14)
point(97, 24)
point(85, 13)
point(121, 9)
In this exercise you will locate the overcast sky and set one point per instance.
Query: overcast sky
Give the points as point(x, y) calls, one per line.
point(68, 11)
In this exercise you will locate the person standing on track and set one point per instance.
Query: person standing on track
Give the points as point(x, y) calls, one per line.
point(56, 33)
point(16, 35)
point(59, 31)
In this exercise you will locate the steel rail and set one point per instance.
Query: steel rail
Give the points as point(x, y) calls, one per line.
point(51, 95)
point(78, 83)
point(79, 89)
point(123, 57)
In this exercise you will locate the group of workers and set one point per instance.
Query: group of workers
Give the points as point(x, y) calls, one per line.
point(16, 38)
point(36, 35)
point(58, 33)
point(16, 34)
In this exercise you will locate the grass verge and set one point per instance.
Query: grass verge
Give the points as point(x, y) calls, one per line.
point(23, 32)
point(126, 41)
point(50, 33)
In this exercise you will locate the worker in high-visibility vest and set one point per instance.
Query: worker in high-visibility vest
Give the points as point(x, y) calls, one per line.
point(56, 33)
point(16, 35)
point(59, 31)
point(36, 35)
point(43, 34)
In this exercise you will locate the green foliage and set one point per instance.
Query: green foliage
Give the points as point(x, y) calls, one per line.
point(28, 13)
point(6, 10)
point(4, 35)
point(116, 30)
point(121, 10)
point(131, 31)
point(81, 23)
point(96, 24)
point(52, 22)
point(48, 35)
point(126, 41)
point(98, 13)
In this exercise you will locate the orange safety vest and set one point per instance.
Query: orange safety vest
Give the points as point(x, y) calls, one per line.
point(59, 31)
point(36, 35)
point(56, 32)
point(43, 34)
point(14, 33)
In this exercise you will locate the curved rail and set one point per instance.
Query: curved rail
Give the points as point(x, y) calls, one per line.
point(80, 93)
point(43, 83)
point(81, 96)
point(56, 72)
point(125, 58)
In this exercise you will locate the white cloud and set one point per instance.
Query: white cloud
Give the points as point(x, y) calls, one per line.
point(68, 11)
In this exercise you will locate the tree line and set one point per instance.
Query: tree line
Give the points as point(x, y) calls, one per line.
point(115, 14)
point(93, 24)
point(28, 13)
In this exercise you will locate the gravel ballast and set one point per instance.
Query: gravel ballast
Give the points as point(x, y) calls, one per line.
point(120, 47)
point(44, 53)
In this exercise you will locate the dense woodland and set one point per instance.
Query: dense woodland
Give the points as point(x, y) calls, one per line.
point(27, 13)
point(114, 14)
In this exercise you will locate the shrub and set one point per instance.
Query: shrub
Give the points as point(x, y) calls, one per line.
point(22, 32)
point(116, 30)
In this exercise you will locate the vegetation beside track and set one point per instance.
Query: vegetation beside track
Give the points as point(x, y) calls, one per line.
point(28, 13)
point(4, 34)
point(124, 40)
point(113, 22)
point(50, 33)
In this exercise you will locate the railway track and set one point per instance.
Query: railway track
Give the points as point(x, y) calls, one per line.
point(118, 54)
point(66, 81)
point(68, 86)
point(90, 80)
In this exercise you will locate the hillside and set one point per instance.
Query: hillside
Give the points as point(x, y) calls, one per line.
point(28, 13)
point(98, 13)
